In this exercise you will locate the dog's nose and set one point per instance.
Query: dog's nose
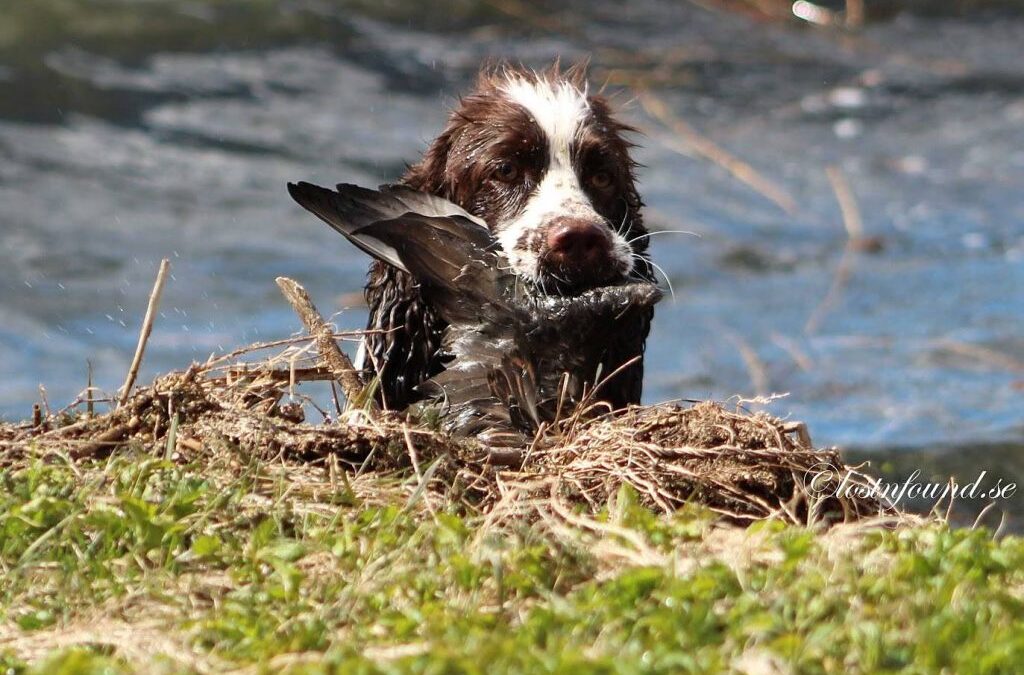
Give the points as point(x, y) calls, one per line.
point(577, 242)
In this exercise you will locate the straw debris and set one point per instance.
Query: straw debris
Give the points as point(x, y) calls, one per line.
point(744, 466)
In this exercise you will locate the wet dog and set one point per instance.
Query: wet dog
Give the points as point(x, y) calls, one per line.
point(512, 356)
point(546, 165)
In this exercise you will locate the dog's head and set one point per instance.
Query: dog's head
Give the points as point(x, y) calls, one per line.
point(547, 166)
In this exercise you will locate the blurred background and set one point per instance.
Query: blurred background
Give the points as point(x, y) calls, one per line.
point(853, 171)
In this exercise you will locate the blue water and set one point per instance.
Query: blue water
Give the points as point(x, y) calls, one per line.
point(120, 149)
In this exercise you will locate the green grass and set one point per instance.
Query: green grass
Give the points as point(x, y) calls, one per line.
point(136, 564)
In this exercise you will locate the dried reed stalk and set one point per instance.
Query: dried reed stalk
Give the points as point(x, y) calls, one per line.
point(338, 363)
point(147, 329)
point(710, 150)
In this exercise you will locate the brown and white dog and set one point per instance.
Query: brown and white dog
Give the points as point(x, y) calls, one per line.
point(545, 164)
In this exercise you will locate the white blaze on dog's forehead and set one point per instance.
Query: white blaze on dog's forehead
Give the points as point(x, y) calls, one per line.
point(558, 109)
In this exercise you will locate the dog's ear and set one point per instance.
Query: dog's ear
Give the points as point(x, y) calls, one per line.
point(430, 174)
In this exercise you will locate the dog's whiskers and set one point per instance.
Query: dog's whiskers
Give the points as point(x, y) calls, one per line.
point(651, 234)
point(658, 267)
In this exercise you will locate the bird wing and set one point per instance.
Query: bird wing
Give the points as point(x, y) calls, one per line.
point(349, 208)
point(449, 252)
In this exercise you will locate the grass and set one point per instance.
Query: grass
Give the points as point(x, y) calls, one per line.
point(234, 563)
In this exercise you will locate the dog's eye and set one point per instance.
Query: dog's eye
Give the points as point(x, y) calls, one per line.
point(506, 172)
point(601, 180)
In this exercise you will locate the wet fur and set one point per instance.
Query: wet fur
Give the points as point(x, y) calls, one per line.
point(486, 127)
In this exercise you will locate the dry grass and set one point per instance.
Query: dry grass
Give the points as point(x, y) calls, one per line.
point(744, 466)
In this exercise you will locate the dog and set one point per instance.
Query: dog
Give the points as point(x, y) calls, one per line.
point(516, 358)
point(547, 166)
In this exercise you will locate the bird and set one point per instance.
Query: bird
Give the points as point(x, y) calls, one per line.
point(514, 356)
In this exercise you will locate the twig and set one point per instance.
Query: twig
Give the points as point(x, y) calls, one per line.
point(413, 457)
point(852, 221)
point(45, 401)
point(511, 458)
point(290, 376)
point(89, 407)
point(802, 433)
point(985, 355)
point(338, 363)
point(107, 440)
point(854, 240)
point(216, 360)
point(708, 149)
point(334, 397)
point(147, 329)
point(788, 345)
point(755, 366)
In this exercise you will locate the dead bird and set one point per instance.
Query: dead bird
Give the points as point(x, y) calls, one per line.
point(546, 163)
point(513, 355)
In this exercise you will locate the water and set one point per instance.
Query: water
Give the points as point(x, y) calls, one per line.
point(137, 131)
